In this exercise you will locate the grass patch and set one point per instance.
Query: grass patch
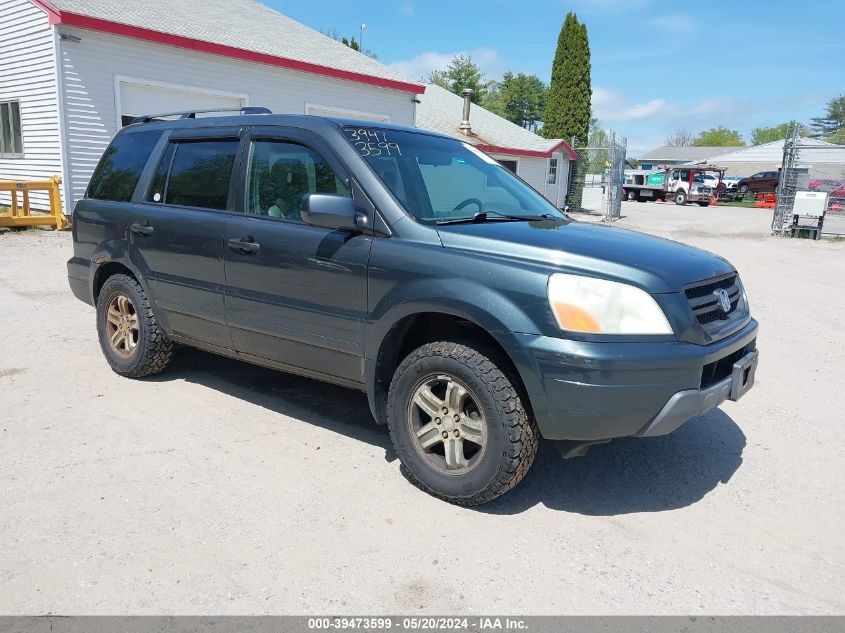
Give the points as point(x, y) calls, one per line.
point(748, 204)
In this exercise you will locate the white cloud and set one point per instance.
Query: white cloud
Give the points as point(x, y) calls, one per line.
point(677, 23)
point(647, 123)
point(488, 60)
point(407, 10)
point(609, 105)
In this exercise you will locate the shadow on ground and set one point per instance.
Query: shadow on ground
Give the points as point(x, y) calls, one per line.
point(634, 474)
point(624, 476)
point(340, 410)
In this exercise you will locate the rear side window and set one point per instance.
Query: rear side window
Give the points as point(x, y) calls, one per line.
point(195, 174)
point(120, 168)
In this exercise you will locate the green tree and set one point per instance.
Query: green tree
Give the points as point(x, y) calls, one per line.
point(462, 73)
point(439, 78)
point(761, 135)
point(568, 110)
point(832, 124)
point(719, 137)
point(519, 98)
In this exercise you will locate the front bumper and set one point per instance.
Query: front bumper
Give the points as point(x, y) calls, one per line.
point(685, 405)
point(596, 391)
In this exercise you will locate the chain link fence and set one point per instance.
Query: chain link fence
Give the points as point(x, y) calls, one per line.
point(811, 164)
point(595, 184)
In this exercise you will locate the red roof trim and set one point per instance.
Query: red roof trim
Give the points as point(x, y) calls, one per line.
point(148, 35)
point(510, 151)
point(53, 15)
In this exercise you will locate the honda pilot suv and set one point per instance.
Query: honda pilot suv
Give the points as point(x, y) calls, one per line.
point(476, 316)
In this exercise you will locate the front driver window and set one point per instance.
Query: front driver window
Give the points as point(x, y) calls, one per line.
point(281, 174)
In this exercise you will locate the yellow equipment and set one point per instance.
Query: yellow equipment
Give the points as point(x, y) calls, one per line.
point(20, 214)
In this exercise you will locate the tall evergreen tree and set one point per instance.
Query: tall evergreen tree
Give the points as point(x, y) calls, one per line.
point(569, 110)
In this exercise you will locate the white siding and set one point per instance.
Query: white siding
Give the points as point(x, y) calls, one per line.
point(90, 68)
point(28, 74)
point(535, 171)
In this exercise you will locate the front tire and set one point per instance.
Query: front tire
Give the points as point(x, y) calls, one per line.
point(681, 198)
point(459, 425)
point(132, 341)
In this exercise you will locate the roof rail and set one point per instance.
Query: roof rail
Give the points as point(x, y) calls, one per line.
point(192, 114)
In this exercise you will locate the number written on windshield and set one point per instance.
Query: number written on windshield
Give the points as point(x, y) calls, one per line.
point(372, 142)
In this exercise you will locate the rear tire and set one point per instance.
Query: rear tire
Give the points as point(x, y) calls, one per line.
point(704, 204)
point(744, 189)
point(490, 439)
point(132, 341)
point(630, 196)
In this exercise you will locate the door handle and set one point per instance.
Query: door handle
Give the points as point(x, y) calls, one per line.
point(245, 245)
point(142, 229)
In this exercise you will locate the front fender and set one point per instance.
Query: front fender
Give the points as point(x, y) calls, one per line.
point(500, 315)
point(485, 306)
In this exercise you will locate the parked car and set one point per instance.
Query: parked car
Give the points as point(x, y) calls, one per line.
point(475, 315)
point(836, 188)
point(711, 181)
point(763, 182)
point(731, 183)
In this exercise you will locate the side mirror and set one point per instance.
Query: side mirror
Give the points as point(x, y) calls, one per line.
point(329, 212)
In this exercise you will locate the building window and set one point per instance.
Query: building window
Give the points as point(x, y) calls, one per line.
point(510, 165)
point(552, 171)
point(11, 137)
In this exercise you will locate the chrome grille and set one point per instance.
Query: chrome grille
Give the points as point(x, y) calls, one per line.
point(704, 301)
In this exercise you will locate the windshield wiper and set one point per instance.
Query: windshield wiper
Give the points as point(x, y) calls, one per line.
point(483, 216)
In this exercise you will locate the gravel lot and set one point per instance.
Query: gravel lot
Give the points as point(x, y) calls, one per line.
point(222, 488)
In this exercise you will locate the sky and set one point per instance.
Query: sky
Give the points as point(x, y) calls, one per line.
point(656, 65)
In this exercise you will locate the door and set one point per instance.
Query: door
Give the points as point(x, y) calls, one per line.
point(296, 294)
point(179, 232)
point(137, 99)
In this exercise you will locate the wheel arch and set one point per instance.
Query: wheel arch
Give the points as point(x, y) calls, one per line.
point(417, 328)
point(106, 270)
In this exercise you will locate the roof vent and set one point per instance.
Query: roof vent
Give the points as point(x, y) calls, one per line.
point(465, 127)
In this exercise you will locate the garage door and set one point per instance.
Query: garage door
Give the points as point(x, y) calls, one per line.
point(329, 111)
point(137, 100)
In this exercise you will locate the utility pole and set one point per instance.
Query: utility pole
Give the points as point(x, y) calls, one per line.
point(361, 39)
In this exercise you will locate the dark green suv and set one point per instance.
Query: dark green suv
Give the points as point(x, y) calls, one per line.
point(476, 316)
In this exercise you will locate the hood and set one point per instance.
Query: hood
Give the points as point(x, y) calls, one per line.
point(655, 264)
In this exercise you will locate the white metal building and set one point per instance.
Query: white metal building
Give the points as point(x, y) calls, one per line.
point(669, 156)
point(543, 163)
point(821, 158)
point(73, 71)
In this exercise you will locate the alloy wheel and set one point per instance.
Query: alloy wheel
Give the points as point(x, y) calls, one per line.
point(122, 325)
point(446, 424)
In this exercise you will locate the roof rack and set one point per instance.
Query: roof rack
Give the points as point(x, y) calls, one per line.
point(192, 114)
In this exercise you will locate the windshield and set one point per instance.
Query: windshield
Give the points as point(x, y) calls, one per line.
point(438, 179)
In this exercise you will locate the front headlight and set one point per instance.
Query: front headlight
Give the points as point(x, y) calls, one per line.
point(585, 304)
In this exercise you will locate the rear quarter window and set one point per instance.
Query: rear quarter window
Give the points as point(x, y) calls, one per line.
point(196, 174)
point(119, 170)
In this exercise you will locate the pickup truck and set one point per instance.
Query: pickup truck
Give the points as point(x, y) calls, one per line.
point(476, 316)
